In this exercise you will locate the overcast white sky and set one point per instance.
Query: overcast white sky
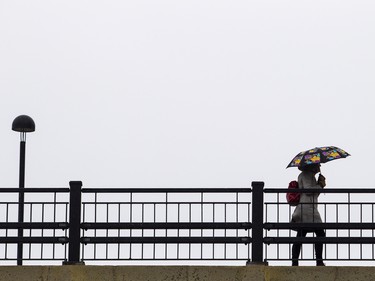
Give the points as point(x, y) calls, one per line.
point(186, 93)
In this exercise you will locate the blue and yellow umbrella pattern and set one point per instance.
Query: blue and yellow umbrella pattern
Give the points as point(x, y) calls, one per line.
point(318, 155)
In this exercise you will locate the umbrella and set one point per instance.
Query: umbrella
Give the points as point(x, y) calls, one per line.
point(318, 155)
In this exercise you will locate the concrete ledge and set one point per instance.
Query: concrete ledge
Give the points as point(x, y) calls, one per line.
point(184, 273)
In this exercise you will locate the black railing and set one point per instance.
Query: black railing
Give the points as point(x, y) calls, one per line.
point(348, 216)
point(166, 224)
point(45, 224)
point(75, 225)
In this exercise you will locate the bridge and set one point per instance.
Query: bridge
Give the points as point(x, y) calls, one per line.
point(223, 226)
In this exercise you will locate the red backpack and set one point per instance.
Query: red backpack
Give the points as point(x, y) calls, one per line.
point(293, 197)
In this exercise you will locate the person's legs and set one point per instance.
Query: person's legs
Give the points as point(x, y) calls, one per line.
point(319, 247)
point(296, 248)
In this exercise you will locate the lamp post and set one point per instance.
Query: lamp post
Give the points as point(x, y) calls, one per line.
point(23, 124)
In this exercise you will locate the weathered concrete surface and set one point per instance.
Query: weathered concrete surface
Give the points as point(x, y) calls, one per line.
point(184, 273)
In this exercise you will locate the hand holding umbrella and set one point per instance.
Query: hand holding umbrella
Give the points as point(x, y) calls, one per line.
point(322, 180)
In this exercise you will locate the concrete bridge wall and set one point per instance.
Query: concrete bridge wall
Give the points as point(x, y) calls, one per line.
point(184, 273)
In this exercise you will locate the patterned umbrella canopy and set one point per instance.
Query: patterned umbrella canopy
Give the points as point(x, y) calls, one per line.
point(317, 155)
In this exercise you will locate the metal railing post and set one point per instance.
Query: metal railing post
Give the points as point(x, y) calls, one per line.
point(257, 223)
point(74, 223)
point(21, 201)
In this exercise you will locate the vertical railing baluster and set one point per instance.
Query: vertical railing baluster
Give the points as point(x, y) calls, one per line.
point(30, 230)
point(83, 221)
point(202, 218)
point(142, 231)
point(66, 232)
point(189, 230)
point(107, 230)
point(225, 230)
point(41, 246)
point(337, 231)
point(266, 234)
point(166, 221)
point(95, 219)
point(361, 235)
point(213, 231)
point(6, 230)
point(178, 230)
point(118, 231)
point(325, 220)
point(372, 220)
point(248, 231)
point(350, 232)
point(237, 222)
point(154, 245)
point(278, 221)
point(131, 220)
point(54, 220)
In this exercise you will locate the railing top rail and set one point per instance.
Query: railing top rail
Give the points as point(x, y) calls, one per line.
point(166, 190)
point(323, 190)
point(325, 225)
point(169, 202)
point(34, 190)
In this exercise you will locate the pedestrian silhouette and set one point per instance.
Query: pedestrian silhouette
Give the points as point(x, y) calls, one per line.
point(307, 210)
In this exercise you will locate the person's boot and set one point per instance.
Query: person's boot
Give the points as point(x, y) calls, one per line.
point(296, 248)
point(319, 254)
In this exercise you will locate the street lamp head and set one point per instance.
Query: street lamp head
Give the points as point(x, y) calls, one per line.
point(23, 124)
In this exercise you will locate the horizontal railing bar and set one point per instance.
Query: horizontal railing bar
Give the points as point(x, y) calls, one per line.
point(169, 225)
point(35, 190)
point(35, 240)
point(35, 203)
point(34, 225)
point(324, 203)
point(166, 203)
point(34, 259)
point(166, 240)
point(168, 259)
point(325, 240)
point(325, 259)
point(323, 190)
point(343, 225)
point(166, 190)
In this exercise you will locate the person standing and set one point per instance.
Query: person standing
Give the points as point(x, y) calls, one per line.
point(307, 210)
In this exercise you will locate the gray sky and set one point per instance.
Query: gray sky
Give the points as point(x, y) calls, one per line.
point(186, 93)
